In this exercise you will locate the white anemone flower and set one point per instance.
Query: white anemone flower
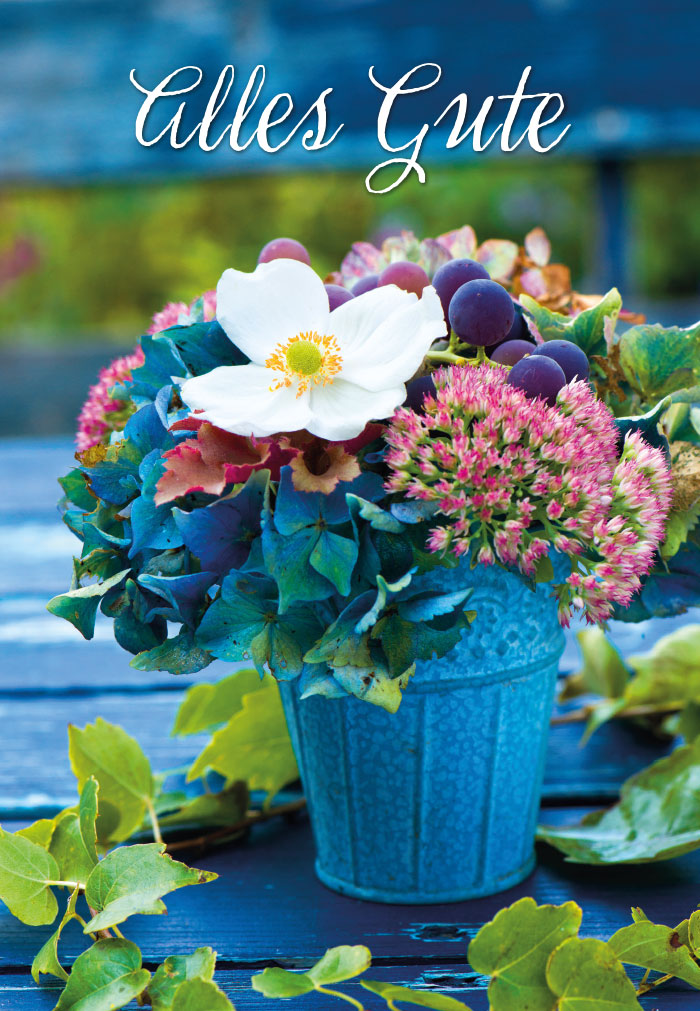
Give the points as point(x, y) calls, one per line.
point(329, 373)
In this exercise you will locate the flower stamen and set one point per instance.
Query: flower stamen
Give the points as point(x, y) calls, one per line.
point(308, 359)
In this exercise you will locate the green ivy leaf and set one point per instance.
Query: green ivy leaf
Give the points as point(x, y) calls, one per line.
point(254, 745)
point(174, 971)
point(654, 946)
point(46, 960)
point(656, 818)
point(132, 880)
point(424, 998)
point(585, 973)
point(339, 964)
point(274, 982)
point(207, 706)
point(105, 977)
point(68, 849)
point(79, 607)
point(106, 752)
point(25, 869)
point(513, 950)
point(587, 329)
point(201, 995)
point(657, 360)
point(87, 817)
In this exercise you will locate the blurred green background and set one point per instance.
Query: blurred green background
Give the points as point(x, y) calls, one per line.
point(93, 263)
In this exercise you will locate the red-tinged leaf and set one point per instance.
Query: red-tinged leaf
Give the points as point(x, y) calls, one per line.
point(363, 258)
point(500, 257)
point(461, 243)
point(214, 459)
point(538, 247)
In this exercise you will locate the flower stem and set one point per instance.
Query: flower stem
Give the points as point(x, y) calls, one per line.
point(154, 820)
point(343, 996)
point(446, 356)
point(66, 884)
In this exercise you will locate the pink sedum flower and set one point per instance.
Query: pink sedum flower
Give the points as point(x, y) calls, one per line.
point(99, 413)
point(180, 312)
point(515, 479)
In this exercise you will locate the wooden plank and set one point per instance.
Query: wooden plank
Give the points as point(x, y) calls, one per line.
point(67, 64)
point(268, 907)
point(17, 991)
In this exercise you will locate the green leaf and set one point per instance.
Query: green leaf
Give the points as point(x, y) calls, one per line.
point(513, 950)
point(693, 927)
point(206, 706)
point(657, 360)
point(339, 964)
point(254, 745)
point(201, 995)
point(603, 672)
point(688, 725)
point(46, 960)
point(586, 974)
point(653, 946)
point(587, 329)
point(656, 818)
point(669, 673)
point(25, 868)
point(68, 849)
point(39, 832)
point(105, 977)
point(678, 525)
point(274, 982)
point(79, 607)
point(424, 998)
point(116, 761)
point(334, 557)
point(132, 880)
point(87, 816)
point(174, 971)
point(211, 810)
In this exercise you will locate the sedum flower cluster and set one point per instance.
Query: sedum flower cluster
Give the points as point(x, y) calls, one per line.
point(514, 479)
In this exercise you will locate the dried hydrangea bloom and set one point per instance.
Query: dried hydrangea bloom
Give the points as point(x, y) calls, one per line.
point(516, 479)
point(102, 413)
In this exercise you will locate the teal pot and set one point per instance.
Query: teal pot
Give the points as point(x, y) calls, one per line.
point(438, 802)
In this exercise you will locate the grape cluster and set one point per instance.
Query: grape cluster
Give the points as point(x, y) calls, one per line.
point(543, 370)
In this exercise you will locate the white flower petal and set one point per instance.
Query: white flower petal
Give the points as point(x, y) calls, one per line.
point(354, 322)
point(341, 410)
point(279, 300)
point(396, 348)
point(238, 399)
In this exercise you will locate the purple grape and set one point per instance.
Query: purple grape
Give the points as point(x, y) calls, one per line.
point(337, 295)
point(519, 330)
point(510, 352)
point(568, 356)
point(284, 249)
point(452, 275)
point(406, 275)
point(481, 312)
point(366, 283)
point(537, 376)
point(416, 392)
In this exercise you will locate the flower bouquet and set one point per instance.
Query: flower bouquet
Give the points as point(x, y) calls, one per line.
point(389, 491)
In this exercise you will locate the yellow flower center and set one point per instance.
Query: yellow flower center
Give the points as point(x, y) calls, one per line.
point(306, 360)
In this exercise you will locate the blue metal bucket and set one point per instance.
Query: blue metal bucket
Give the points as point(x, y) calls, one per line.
point(439, 801)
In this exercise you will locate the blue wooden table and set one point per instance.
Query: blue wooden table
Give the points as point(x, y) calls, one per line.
point(266, 908)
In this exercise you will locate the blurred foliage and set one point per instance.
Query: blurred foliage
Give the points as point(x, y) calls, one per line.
point(103, 259)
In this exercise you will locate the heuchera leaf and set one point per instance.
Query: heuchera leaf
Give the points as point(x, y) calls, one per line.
point(105, 977)
point(206, 706)
point(214, 459)
point(656, 818)
point(116, 761)
point(174, 971)
point(133, 879)
point(25, 867)
point(405, 995)
point(657, 360)
point(79, 607)
point(513, 949)
point(653, 946)
point(587, 329)
point(585, 973)
point(254, 745)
